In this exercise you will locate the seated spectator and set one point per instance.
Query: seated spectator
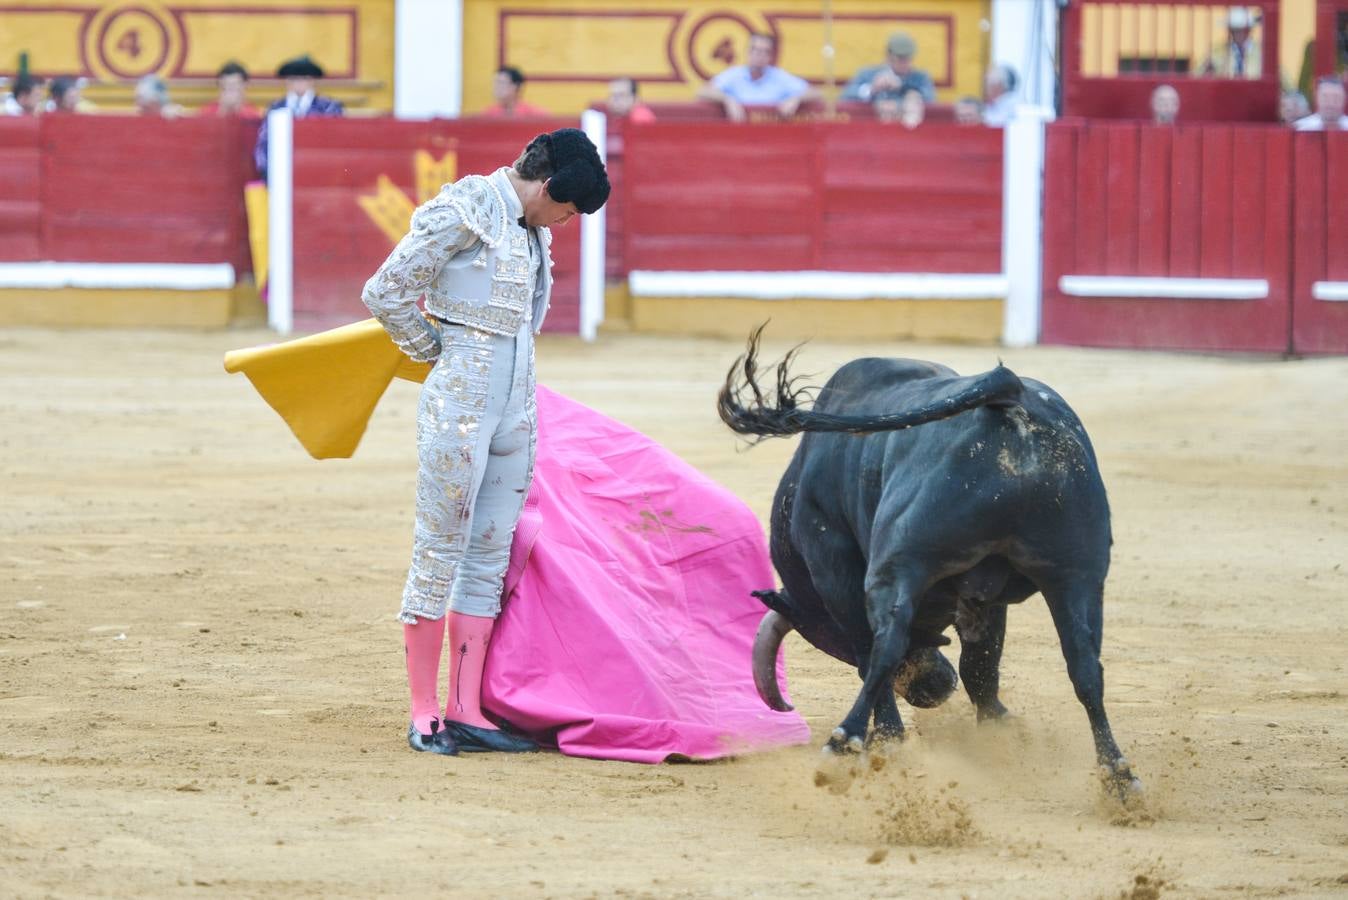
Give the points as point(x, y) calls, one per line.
point(1293, 106)
point(892, 77)
point(232, 83)
point(623, 104)
point(25, 97)
point(1240, 56)
point(301, 77)
point(759, 82)
point(908, 110)
point(1329, 104)
point(507, 88)
point(968, 111)
point(64, 96)
point(1165, 105)
point(999, 95)
point(152, 98)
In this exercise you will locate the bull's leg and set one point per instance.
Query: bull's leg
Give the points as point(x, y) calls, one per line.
point(891, 615)
point(981, 661)
point(888, 722)
point(1078, 615)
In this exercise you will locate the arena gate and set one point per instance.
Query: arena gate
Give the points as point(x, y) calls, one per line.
point(1184, 238)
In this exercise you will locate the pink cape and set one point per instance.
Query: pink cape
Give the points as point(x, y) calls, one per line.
point(628, 625)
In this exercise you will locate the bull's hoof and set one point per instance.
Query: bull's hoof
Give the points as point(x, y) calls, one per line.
point(841, 742)
point(994, 712)
point(883, 736)
point(1120, 782)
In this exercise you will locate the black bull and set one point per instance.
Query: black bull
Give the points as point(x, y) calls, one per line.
point(885, 534)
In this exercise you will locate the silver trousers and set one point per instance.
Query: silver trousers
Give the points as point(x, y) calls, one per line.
point(477, 426)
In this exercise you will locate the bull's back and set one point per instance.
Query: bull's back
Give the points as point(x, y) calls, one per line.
point(1019, 469)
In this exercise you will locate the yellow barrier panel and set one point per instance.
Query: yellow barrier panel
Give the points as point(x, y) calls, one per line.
point(570, 49)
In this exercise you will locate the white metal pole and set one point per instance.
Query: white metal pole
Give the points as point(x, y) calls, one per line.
point(427, 58)
point(1022, 217)
point(280, 220)
point(1024, 35)
point(592, 232)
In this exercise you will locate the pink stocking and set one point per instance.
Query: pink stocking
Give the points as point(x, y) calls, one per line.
point(423, 642)
point(469, 637)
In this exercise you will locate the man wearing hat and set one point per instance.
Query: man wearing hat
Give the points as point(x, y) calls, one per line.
point(300, 75)
point(478, 253)
point(892, 78)
point(1241, 55)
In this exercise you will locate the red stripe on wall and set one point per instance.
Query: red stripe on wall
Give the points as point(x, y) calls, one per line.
point(1215, 220)
point(1122, 203)
point(20, 190)
point(1185, 201)
point(1092, 199)
point(1153, 200)
point(1249, 152)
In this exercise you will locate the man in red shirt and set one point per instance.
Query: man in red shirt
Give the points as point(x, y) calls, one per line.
point(506, 88)
point(623, 103)
point(232, 80)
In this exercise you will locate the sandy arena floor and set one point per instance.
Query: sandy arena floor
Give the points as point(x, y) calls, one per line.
point(201, 683)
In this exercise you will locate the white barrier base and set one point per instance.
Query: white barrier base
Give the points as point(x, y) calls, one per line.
point(814, 285)
point(1334, 291)
point(1120, 287)
point(117, 276)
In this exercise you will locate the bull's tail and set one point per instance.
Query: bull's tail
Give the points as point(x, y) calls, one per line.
point(757, 415)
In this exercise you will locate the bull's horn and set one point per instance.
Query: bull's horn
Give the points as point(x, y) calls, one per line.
point(766, 643)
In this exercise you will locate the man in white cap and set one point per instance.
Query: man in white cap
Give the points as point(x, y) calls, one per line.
point(1241, 56)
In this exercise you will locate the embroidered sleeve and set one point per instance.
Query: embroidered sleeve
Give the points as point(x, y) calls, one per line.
point(442, 227)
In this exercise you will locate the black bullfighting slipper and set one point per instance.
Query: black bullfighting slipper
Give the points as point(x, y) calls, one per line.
point(437, 741)
point(473, 739)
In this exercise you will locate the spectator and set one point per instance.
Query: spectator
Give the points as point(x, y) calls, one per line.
point(999, 94)
point(892, 77)
point(1165, 105)
point(301, 77)
point(1292, 107)
point(623, 104)
point(908, 110)
point(232, 83)
point(968, 111)
point(152, 98)
point(1329, 103)
point(25, 97)
point(759, 82)
point(507, 88)
point(1240, 56)
point(64, 96)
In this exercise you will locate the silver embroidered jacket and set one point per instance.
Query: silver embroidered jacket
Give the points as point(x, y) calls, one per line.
point(469, 256)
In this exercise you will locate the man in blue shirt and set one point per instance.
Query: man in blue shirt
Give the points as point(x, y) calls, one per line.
point(759, 83)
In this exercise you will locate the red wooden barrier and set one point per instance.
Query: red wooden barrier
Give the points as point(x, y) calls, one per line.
point(861, 197)
point(1198, 201)
point(20, 190)
point(124, 189)
point(1321, 247)
point(338, 245)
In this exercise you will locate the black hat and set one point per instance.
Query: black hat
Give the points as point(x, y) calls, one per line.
point(578, 174)
point(299, 67)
